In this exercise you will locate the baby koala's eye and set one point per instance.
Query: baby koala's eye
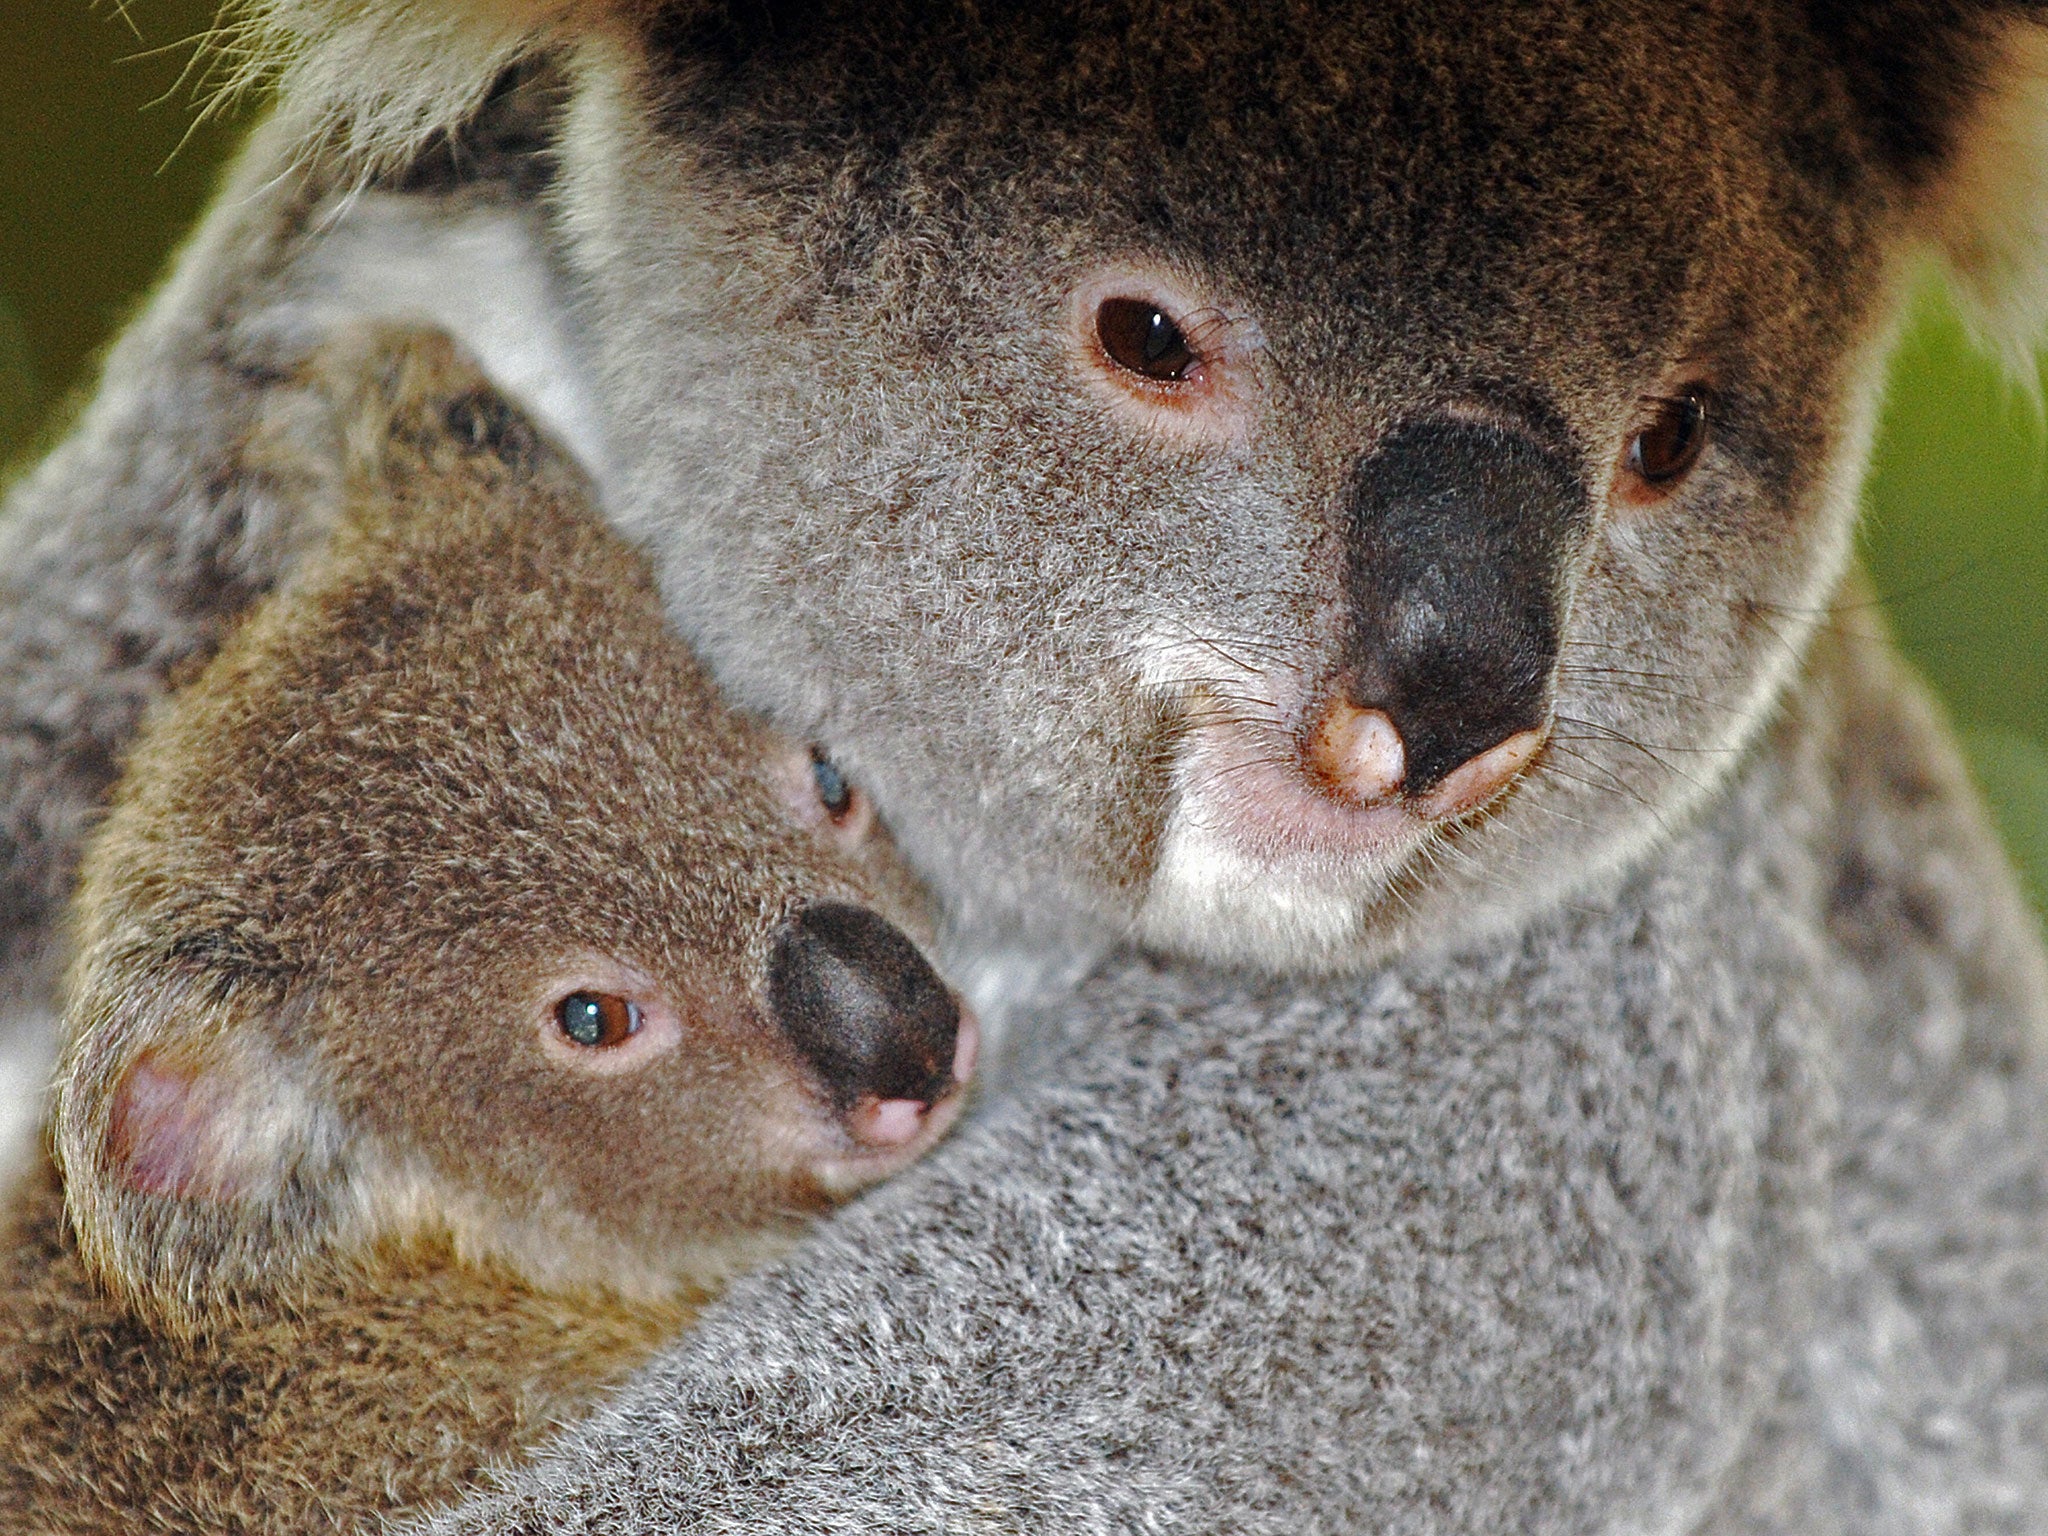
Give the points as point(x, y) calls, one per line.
point(1671, 444)
point(822, 797)
point(834, 793)
point(598, 1019)
point(1143, 339)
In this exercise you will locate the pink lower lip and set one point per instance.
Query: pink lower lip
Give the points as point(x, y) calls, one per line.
point(892, 1123)
point(889, 1126)
point(873, 1158)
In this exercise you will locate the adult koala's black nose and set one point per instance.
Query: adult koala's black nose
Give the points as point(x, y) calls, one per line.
point(863, 1006)
point(1460, 537)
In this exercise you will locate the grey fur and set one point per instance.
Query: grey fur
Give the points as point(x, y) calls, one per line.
point(1605, 1229)
point(1660, 1153)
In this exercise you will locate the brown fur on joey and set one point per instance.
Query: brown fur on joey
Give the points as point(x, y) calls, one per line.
point(443, 906)
point(391, 1389)
point(448, 1015)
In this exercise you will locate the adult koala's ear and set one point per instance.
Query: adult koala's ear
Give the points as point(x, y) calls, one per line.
point(376, 78)
point(202, 1168)
point(1953, 99)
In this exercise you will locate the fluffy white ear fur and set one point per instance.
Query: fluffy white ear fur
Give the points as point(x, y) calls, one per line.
point(376, 77)
point(1990, 219)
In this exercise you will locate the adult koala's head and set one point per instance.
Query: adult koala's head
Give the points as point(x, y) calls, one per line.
point(1285, 478)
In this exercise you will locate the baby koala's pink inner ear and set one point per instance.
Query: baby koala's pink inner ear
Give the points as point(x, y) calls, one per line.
point(176, 1130)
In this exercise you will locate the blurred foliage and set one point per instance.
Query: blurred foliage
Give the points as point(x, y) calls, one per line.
point(2013, 770)
point(19, 392)
point(103, 164)
point(1956, 537)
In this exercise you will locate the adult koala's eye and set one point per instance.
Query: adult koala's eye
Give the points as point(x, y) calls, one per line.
point(598, 1019)
point(1671, 444)
point(1144, 339)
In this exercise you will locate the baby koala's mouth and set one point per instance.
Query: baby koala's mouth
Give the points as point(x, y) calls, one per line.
point(890, 1124)
point(889, 1134)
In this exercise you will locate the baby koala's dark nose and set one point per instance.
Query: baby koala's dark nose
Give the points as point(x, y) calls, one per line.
point(868, 1012)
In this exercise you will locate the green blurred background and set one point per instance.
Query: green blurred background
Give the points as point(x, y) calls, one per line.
point(104, 162)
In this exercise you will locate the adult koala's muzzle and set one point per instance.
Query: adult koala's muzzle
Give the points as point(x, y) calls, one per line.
point(1459, 539)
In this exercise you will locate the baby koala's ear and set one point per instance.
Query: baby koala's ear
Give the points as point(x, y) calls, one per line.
point(202, 1171)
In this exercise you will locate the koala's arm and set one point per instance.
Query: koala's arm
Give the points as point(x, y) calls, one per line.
point(1915, 1404)
point(128, 550)
point(1346, 1262)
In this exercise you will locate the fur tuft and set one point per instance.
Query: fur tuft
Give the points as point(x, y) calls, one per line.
point(377, 78)
point(1991, 221)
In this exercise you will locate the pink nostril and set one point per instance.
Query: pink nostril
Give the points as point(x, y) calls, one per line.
point(887, 1122)
point(1358, 753)
point(1478, 779)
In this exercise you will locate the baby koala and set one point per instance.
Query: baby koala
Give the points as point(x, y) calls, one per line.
point(460, 992)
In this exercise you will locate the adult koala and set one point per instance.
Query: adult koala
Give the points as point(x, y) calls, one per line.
point(1357, 493)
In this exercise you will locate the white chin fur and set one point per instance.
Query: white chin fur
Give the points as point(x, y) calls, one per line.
point(1209, 898)
point(1211, 894)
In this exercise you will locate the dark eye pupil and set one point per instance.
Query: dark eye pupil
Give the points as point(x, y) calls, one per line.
point(1143, 338)
point(1672, 443)
point(1162, 336)
point(833, 790)
point(597, 1018)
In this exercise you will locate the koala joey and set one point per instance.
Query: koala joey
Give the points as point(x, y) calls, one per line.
point(449, 950)
point(1358, 492)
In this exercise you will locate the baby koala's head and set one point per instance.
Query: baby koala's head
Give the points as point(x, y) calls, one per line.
point(449, 901)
